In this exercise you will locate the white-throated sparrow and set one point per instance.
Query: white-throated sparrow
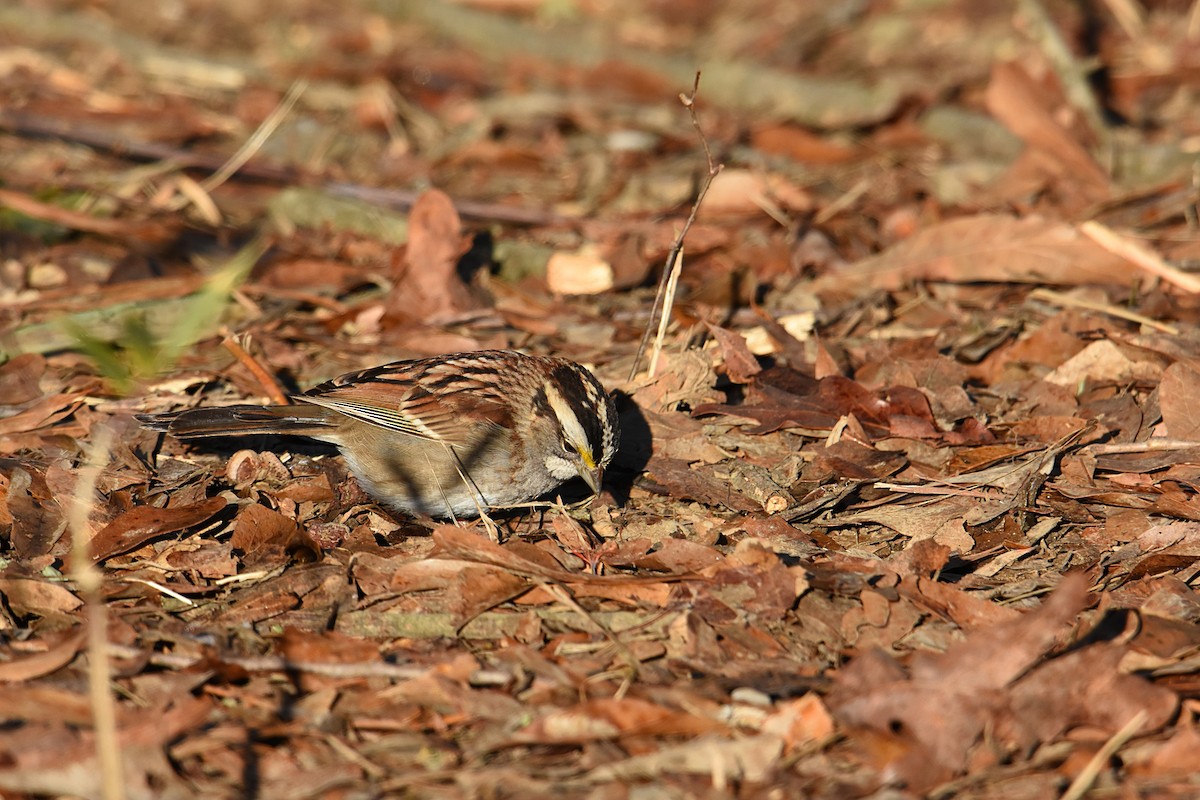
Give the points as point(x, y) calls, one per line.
point(448, 436)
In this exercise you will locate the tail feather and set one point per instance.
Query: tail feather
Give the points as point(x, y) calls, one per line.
point(243, 421)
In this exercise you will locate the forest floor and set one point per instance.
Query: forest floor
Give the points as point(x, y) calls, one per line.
point(908, 497)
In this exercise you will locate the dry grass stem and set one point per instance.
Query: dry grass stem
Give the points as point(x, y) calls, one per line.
point(661, 304)
point(1084, 780)
point(1066, 300)
point(256, 140)
point(90, 582)
point(236, 344)
point(1130, 15)
point(664, 318)
point(1141, 256)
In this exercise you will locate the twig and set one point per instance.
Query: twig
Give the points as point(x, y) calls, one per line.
point(362, 669)
point(847, 199)
point(1065, 300)
point(298, 295)
point(1140, 255)
point(1130, 16)
point(940, 491)
point(90, 582)
point(256, 140)
point(560, 593)
point(158, 587)
point(664, 316)
point(1084, 780)
point(660, 307)
point(1148, 446)
point(57, 215)
point(235, 343)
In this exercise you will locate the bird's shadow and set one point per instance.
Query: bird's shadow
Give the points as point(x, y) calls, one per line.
point(634, 451)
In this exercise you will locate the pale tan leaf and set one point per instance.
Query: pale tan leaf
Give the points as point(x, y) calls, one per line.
point(988, 248)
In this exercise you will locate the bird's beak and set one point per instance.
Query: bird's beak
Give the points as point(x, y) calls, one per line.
point(592, 477)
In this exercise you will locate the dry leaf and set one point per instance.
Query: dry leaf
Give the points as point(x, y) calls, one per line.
point(987, 247)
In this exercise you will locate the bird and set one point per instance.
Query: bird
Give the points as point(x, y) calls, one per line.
point(450, 436)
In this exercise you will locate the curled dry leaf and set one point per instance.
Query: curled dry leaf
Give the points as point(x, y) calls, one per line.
point(28, 596)
point(428, 287)
point(140, 524)
point(740, 363)
point(267, 538)
point(53, 658)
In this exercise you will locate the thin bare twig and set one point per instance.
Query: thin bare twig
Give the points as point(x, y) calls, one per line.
point(1140, 256)
point(1083, 782)
point(362, 669)
point(256, 140)
point(90, 582)
point(1064, 300)
point(236, 344)
point(664, 316)
point(661, 301)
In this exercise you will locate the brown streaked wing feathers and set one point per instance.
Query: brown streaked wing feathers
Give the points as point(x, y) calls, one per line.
point(415, 411)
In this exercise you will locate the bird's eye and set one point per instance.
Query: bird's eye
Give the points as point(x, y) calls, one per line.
point(567, 447)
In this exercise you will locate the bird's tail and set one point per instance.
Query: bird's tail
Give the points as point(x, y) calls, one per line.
point(299, 420)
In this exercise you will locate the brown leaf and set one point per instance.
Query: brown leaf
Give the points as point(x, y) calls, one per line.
point(1027, 110)
point(472, 546)
point(19, 379)
point(140, 524)
point(742, 192)
point(1085, 687)
point(30, 596)
point(42, 414)
point(1106, 361)
point(1177, 393)
point(477, 587)
point(610, 718)
point(1175, 757)
point(269, 539)
point(987, 247)
point(429, 286)
point(37, 522)
point(740, 363)
point(678, 556)
point(37, 702)
point(965, 609)
point(799, 144)
point(327, 647)
point(684, 482)
point(996, 656)
point(944, 704)
point(50, 660)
